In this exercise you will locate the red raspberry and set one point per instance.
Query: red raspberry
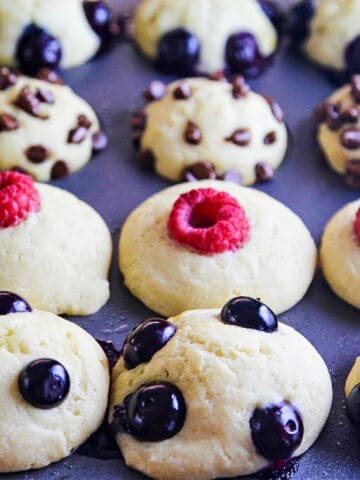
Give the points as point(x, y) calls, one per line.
point(357, 225)
point(208, 221)
point(18, 198)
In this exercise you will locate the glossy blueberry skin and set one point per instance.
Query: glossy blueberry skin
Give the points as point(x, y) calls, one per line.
point(247, 312)
point(44, 383)
point(37, 49)
point(299, 19)
point(156, 411)
point(353, 405)
point(98, 15)
point(277, 431)
point(243, 56)
point(352, 56)
point(12, 303)
point(178, 52)
point(145, 340)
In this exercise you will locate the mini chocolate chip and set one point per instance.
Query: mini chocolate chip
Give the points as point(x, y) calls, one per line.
point(59, 170)
point(320, 112)
point(146, 159)
point(8, 78)
point(263, 171)
point(275, 108)
point(218, 76)
point(332, 116)
point(77, 135)
point(155, 91)
point(136, 139)
point(355, 88)
point(83, 121)
point(350, 115)
point(270, 138)
point(240, 87)
point(232, 176)
point(192, 133)
point(8, 123)
point(201, 170)
point(37, 154)
point(29, 103)
point(20, 170)
point(352, 173)
point(240, 137)
point(50, 76)
point(99, 141)
point(138, 121)
point(183, 91)
point(350, 138)
point(45, 96)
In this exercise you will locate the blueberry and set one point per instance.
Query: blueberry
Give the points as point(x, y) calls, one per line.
point(98, 15)
point(37, 49)
point(145, 340)
point(178, 52)
point(247, 312)
point(11, 303)
point(352, 56)
point(154, 412)
point(299, 20)
point(353, 405)
point(277, 431)
point(44, 383)
point(272, 11)
point(243, 56)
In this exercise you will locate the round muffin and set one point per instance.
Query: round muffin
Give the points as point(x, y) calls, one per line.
point(214, 399)
point(53, 388)
point(45, 128)
point(329, 32)
point(214, 126)
point(48, 33)
point(339, 131)
point(339, 253)
point(215, 242)
point(352, 393)
point(55, 251)
point(182, 36)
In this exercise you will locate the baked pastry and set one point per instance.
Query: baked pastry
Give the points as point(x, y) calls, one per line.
point(48, 33)
point(185, 248)
point(182, 36)
point(45, 128)
point(352, 393)
point(55, 250)
point(329, 33)
point(201, 128)
point(339, 131)
point(207, 394)
point(339, 253)
point(53, 387)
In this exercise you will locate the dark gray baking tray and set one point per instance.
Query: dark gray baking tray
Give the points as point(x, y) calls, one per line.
point(114, 185)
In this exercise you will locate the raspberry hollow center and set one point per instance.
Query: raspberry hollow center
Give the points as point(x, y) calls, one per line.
point(208, 221)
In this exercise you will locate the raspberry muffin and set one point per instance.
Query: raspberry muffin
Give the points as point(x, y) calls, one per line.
point(187, 248)
point(339, 131)
point(201, 128)
point(53, 387)
point(55, 250)
point(174, 34)
point(46, 130)
point(339, 253)
point(48, 33)
point(212, 394)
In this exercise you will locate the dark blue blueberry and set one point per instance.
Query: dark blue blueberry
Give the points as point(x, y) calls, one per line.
point(178, 52)
point(44, 383)
point(37, 49)
point(98, 15)
point(154, 412)
point(299, 20)
point(243, 56)
point(145, 340)
point(247, 312)
point(11, 303)
point(352, 56)
point(353, 405)
point(273, 12)
point(277, 431)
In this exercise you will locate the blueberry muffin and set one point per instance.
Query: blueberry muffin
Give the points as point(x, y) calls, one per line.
point(187, 248)
point(53, 388)
point(212, 394)
point(201, 128)
point(352, 393)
